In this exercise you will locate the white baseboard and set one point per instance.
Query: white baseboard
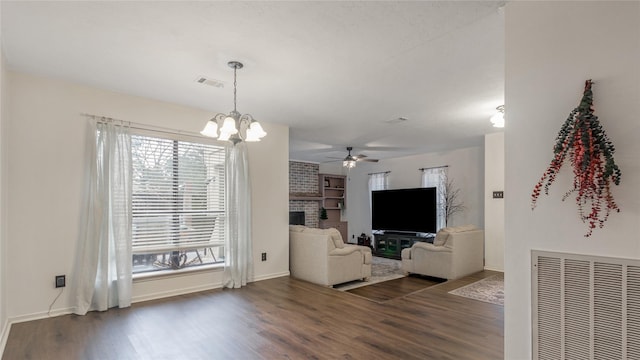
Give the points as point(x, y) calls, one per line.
point(493, 269)
point(271, 276)
point(5, 335)
point(184, 291)
point(40, 315)
point(174, 292)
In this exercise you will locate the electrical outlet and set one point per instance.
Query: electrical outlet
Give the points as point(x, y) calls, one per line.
point(61, 281)
point(264, 256)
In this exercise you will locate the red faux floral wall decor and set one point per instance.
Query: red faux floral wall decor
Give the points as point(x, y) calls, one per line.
point(583, 140)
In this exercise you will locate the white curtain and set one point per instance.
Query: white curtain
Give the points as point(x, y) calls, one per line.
point(104, 260)
point(238, 262)
point(378, 181)
point(437, 177)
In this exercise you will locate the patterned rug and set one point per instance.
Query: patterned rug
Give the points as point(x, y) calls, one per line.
point(490, 289)
point(382, 269)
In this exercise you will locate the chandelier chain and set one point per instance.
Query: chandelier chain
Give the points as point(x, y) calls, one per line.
point(235, 86)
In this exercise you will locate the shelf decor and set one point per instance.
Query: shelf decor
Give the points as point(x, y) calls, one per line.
point(323, 213)
point(590, 152)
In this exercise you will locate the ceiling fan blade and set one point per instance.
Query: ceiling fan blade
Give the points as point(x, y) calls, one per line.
point(368, 160)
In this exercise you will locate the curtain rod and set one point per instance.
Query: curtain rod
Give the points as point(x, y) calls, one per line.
point(433, 167)
point(381, 172)
point(139, 126)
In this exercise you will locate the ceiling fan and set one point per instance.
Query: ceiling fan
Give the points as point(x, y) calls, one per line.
point(350, 160)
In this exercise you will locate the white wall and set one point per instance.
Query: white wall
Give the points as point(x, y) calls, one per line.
point(466, 168)
point(4, 330)
point(46, 140)
point(493, 208)
point(551, 49)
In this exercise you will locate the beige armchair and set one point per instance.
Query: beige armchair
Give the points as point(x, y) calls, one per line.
point(320, 256)
point(455, 252)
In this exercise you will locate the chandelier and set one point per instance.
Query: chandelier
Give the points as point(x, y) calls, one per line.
point(234, 127)
point(498, 119)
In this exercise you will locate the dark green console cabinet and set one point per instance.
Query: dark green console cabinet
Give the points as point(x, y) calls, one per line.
point(390, 245)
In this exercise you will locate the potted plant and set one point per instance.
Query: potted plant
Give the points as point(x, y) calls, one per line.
point(323, 214)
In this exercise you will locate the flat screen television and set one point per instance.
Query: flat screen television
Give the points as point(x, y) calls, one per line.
point(404, 210)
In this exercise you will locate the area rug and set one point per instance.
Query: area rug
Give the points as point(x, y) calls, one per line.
point(490, 289)
point(382, 269)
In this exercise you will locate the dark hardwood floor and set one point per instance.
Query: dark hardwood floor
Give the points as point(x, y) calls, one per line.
point(393, 289)
point(280, 318)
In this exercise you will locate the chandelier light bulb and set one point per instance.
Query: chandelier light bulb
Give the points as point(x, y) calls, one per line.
point(211, 129)
point(252, 135)
point(229, 126)
point(257, 129)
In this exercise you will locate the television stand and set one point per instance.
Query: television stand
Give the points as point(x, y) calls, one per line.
point(390, 244)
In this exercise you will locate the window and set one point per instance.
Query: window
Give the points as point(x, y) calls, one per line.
point(178, 203)
point(377, 181)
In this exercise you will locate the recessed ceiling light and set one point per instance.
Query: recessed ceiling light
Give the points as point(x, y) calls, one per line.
point(211, 82)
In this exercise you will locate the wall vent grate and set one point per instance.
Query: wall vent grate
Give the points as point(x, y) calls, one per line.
point(585, 307)
point(209, 81)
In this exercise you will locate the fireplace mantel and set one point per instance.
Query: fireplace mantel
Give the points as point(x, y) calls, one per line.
point(305, 196)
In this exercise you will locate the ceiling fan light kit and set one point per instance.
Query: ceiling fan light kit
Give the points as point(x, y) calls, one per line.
point(349, 163)
point(350, 160)
point(234, 127)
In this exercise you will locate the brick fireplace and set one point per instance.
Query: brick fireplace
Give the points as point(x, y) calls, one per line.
point(303, 179)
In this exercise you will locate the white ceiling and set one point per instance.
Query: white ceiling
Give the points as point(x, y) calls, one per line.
point(336, 72)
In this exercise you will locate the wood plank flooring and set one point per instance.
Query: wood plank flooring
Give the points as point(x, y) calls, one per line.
point(280, 318)
point(393, 289)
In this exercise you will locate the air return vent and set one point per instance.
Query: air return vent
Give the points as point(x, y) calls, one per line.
point(585, 307)
point(211, 82)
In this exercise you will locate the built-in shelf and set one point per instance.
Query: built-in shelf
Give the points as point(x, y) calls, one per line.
point(333, 189)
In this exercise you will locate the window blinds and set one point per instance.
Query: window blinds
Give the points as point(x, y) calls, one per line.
point(178, 194)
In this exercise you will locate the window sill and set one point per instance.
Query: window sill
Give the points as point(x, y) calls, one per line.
point(153, 275)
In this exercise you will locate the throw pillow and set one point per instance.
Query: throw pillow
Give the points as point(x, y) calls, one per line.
point(441, 237)
point(336, 237)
